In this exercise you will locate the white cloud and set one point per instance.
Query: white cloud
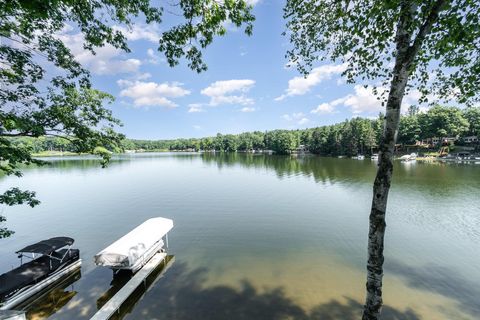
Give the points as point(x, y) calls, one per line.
point(365, 101)
point(151, 93)
point(298, 117)
point(195, 107)
point(143, 76)
point(302, 85)
point(247, 109)
point(150, 53)
point(229, 92)
point(153, 58)
point(114, 66)
point(149, 32)
point(197, 127)
point(324, 108)
point(303, 121)
point(328, 107)
point(107, 61)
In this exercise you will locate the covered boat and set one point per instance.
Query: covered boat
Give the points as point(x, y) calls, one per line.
point(134, 249)
point(48, 263)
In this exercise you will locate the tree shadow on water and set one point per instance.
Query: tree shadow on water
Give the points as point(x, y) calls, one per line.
point(183, 294)
point(441, 280)
point(352, 309)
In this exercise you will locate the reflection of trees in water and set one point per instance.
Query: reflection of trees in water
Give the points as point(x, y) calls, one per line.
point(322, 169)
point(52, 300)
point(443, 178)
point(89, 162)
point(182, 294)
point(80, 163)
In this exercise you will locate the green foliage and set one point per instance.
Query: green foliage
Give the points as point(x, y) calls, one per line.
point(409, 129)
point(203, 21)
point(15, 196)
point(281, 141)
point(230, 143)
point(443, 122)
point(472, 115)
point(351, 137)
point(45, 92)
point(362, 34)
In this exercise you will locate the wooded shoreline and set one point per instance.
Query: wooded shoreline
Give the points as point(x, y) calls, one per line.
point(421, 132)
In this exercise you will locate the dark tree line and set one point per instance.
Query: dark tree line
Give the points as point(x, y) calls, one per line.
point(350, 137)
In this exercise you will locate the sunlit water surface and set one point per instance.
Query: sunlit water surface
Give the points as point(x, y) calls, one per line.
point(260, 237)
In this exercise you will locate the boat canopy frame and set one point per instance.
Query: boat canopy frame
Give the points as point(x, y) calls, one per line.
point(47, 248)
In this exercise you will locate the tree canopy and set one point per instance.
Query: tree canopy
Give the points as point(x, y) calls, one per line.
point(443, 42)
point(44, 91)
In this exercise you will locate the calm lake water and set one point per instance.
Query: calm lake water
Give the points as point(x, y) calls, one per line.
point(260, 237)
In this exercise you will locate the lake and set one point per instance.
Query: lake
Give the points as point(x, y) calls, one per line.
point(259, 236)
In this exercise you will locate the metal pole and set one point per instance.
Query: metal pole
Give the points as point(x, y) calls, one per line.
point(166, 239)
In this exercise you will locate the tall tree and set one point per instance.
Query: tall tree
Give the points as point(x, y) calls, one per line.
point(44, 91)
point(409, 129)
point(433, 45)
point(472, 115)
point(443, 122)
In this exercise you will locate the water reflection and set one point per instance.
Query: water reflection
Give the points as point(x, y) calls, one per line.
point(53, 299)
point(334, 170)
point(121, 278)
point(324, 170)
point(264, 237)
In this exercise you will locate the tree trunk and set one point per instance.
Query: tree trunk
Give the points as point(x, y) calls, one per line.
point(381, 186)
point(406, 50)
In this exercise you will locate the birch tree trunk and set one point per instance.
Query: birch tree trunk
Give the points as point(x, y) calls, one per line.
point(381, 188)
point(405, 55)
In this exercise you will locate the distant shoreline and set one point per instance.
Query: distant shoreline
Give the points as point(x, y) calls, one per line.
point(428, 159)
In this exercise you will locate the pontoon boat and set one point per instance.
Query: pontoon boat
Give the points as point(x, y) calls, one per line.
point(137, 247)
point(49, 263)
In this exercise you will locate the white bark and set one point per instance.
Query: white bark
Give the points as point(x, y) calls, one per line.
point(405, 55)
point(381, 186)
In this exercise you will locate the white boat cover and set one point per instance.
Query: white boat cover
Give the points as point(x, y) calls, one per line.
point(136, 245)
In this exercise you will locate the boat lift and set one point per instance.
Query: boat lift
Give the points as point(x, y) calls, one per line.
point(141, 251)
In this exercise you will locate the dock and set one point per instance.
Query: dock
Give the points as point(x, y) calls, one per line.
point(113, 305)
point(12, 315)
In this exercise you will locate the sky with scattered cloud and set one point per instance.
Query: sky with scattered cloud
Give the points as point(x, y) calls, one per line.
point(248, 86)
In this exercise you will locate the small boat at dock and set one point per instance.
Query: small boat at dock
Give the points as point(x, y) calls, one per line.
point(409, 157)
point(136, 248)
point(50, 262)
point(140, 251)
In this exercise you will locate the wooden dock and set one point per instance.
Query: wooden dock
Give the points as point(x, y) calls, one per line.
point(123, 294)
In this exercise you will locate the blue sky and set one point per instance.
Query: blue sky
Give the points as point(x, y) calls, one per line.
point(247, 87)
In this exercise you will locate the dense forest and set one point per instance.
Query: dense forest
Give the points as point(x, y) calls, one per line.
point(350, 137)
